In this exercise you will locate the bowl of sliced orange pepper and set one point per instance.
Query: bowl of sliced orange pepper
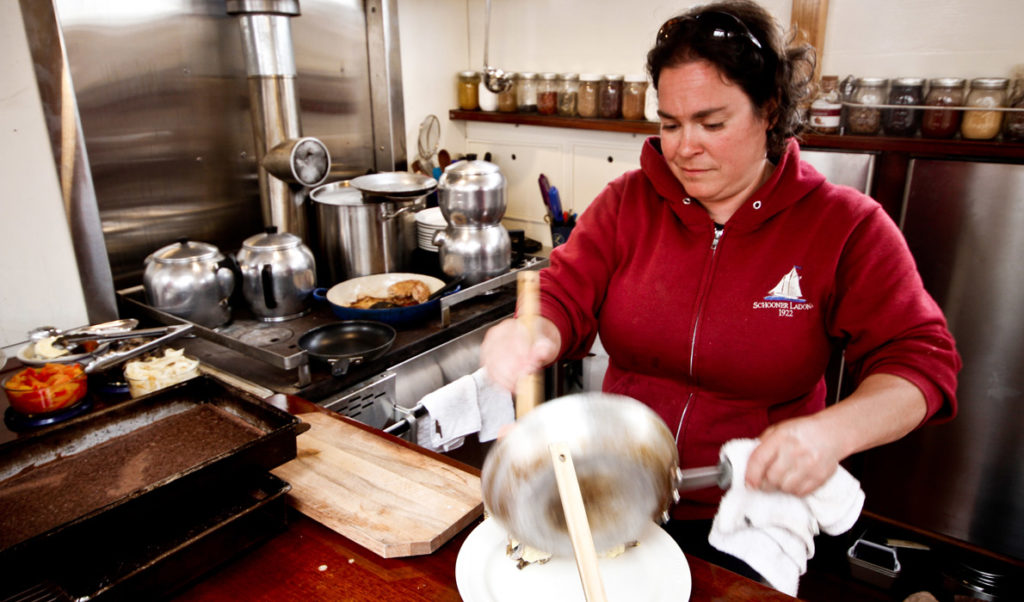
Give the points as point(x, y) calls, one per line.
point(45, 389)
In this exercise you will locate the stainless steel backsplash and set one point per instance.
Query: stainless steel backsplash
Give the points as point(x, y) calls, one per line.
point(163, 101)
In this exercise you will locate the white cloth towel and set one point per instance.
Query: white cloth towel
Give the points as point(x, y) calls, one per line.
point(495, 403)
point(470, 404)
point(774, 532)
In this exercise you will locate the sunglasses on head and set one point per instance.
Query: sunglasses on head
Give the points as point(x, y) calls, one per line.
point(714, 24)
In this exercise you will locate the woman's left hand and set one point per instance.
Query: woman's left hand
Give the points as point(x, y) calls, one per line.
point(795, 456)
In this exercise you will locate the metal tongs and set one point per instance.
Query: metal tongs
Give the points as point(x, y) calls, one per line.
point(163, 334)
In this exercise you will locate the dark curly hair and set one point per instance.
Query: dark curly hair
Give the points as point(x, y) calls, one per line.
point(747, 45)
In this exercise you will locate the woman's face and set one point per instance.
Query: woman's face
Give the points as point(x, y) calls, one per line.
point(711, 136)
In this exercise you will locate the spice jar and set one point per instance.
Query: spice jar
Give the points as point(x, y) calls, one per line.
point(568, 88)
point(586, 98)
point(467, 88)
point(904, 122)
point(826, 108)
point(507, 97)
point(863, 118)
point(488, 100)
point(609, 97)
point(943, 92)
point(1013, 126)
point(526, 92)
point(634, 94)
point(547, 94)
point(989, 92)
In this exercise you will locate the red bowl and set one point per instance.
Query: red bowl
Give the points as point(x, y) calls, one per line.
point(46, 389)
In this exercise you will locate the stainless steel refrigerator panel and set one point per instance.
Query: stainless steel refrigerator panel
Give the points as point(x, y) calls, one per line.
point(846, 168)
point(964, 223)
point(164, 103)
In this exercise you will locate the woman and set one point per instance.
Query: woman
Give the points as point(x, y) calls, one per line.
point(723, 274)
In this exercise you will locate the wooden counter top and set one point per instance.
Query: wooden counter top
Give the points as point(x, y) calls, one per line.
point(310, 562)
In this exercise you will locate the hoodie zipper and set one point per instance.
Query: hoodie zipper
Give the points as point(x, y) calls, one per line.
point(696, 327)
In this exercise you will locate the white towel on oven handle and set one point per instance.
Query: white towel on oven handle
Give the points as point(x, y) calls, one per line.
point(495, 403)
point(452, 413)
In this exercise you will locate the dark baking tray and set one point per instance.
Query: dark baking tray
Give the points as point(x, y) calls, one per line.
point(147, 551)
point(275, 446)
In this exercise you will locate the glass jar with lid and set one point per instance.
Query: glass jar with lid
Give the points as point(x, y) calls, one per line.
point(568, 89)
point(1013, 125)
point(547, 94)
point(943, 92)
point(467, 90)
point(986, 92)
point(899, 121)
point(634, 95)
point(526, 92)
point(507, 97)
point(865, 118)
point(609, 97)
point(826, 107)
point(586, 98)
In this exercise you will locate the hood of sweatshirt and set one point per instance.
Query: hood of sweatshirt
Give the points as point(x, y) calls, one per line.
point(789, 182)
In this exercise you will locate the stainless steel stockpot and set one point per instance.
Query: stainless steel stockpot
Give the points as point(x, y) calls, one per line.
point(192, 280)
point(278, 275)
point(472, 194)
point(360, 234)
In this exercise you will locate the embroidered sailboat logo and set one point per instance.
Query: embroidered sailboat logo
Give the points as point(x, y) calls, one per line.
point(788, 289)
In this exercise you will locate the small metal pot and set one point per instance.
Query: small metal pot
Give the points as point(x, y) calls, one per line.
point(360, 233)
point(278, 275)
point(472, 193)
point(191, 280)
point(476, 254)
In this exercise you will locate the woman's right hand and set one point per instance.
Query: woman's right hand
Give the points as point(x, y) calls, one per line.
point(507, 354)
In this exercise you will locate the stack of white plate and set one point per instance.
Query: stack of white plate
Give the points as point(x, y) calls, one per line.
point(428, 222)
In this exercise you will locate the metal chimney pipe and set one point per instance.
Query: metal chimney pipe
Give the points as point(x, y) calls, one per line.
point(282, 154)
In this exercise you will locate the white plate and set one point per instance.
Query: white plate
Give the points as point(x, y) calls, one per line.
point(375, 285)
point(431, 217)
point(654, 570)
point(28, 356)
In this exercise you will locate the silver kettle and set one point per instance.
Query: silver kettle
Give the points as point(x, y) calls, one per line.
point(278, 275)
point(191, 280)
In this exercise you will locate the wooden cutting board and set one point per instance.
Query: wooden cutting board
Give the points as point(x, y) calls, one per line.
point(392, 499)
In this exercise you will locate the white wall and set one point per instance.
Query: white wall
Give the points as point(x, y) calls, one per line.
point(39, 281)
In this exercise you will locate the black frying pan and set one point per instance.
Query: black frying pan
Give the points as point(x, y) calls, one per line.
point(341, 344)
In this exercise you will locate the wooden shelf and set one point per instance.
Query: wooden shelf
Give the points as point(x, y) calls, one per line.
point(578, 123)
point(922, 147)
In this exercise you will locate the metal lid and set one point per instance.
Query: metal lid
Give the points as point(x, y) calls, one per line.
point(569, 76)
point(397, 185)
point(908, 81)
point(636, 78)
point(589, 77)
point(272, 240)
point(549, 76)
point(990, 82)
point(469, 74)
point(526, 75)
point(871, 82)
point(613, 77)
point(186, 251)
point(337, 193)
point(947, 82)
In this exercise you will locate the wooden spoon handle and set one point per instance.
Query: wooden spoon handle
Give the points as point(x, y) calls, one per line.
point(576, 520)
point(529, 388)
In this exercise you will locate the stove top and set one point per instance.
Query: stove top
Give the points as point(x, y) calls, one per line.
point(267, 353)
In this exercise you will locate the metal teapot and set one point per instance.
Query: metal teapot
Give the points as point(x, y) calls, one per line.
point(278, 275)
point(192, 280)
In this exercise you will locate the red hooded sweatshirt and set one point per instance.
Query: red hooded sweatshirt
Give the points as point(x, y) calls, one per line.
point(725, 334)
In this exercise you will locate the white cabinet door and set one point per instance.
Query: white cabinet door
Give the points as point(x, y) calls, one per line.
point(593, 166)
